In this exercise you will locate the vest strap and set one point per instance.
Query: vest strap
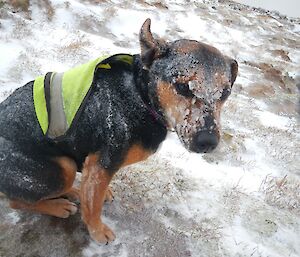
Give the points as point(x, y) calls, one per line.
point(58, 123)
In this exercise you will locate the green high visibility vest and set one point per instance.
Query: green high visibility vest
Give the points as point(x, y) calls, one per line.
point(73, 87)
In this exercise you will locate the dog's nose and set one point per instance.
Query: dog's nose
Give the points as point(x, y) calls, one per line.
point(205, 141)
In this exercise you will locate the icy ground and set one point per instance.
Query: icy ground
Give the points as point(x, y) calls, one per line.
point(241, 200)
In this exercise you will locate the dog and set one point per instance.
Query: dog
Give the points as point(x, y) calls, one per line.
point(125, 116)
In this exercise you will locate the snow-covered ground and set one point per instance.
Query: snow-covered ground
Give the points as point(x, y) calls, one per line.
point(241, 200)
point(286, 7)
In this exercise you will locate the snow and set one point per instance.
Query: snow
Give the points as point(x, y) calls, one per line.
point(127, 23)
point(8, 52)
point(214, 204)
point(13, 217)
point(269, 119)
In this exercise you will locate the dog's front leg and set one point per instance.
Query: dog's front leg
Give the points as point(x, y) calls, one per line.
point(94, 186)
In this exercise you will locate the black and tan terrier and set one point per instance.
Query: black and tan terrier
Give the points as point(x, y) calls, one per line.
point(123, 119)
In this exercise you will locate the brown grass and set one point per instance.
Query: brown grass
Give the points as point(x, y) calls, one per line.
point(157, 4)
point(284, 55)
point(270, 72)
point(207, 230)
point(282, 192)
point(259, 90)
point(49, 9)
point(20, 4)
point(75, 46)
point(23, 5)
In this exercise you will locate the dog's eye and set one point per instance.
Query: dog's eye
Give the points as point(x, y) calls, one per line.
point(183, 89)
point(226, 92)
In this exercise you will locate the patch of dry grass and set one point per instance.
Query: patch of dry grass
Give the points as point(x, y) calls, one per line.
point(74, 48)
point(207, 230)
point(46, 4)
point(75, 45)
point(20, 4)
point(283, 193)
point(23, 5)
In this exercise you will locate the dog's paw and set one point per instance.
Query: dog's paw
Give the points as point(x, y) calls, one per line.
point(102, 233)
point(109, 196)
point(61, 208)
point(73, 195)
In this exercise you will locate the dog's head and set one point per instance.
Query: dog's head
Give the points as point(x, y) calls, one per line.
point(189, 83)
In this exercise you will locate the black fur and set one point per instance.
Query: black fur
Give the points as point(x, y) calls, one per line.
point(114, 118)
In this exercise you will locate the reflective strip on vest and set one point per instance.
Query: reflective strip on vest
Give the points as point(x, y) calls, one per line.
point(58, 123)
point(74, 85)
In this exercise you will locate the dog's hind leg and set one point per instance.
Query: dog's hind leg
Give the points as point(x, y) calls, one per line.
point(51, 205)
point(59, 207)
point(31, 181)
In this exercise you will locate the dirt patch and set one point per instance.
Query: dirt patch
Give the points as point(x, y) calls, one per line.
point(258, 90)
point(275, 75)
point(284, 55)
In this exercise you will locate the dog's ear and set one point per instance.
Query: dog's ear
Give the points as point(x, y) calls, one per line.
point(234, 71)
point(151, 48)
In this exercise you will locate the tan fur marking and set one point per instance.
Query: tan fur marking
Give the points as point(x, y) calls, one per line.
point(166, 95)
point(169, 100)
point(93, 190)
point(135, 154)
point(179, 111)
point(187, 47)
point(69, 169)
point(191, 46)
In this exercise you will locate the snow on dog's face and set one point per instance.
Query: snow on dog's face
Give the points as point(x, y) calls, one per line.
point(192, 81)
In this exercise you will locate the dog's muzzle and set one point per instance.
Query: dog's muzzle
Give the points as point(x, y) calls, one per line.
point(204, 141)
